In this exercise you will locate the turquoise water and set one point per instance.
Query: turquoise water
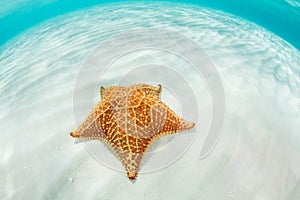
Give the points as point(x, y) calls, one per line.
point(257, 155)
point(279, 16)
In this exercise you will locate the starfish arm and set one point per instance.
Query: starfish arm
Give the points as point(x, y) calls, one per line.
point(148, 91)
point(91, 128)
point(102, 90)
point(171, 122)
point(131, 162)
point(129, 150)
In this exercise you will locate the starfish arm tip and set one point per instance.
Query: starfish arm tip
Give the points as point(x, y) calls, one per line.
point(187, 125)
point(74, 134)
point(102, 90)
point(192, 124)
point(131, 176)
point(158, 88)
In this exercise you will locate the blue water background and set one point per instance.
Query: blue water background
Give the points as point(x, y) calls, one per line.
point(278, 16)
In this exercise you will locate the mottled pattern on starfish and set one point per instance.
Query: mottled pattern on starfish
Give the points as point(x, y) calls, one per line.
point(128, 119)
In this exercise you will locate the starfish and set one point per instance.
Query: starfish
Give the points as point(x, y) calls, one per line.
point(128, 120)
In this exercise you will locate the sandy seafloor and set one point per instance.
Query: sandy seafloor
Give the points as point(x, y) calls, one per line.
point(257, 156)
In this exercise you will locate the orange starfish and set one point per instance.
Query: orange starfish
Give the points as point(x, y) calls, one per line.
point(128, 119)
